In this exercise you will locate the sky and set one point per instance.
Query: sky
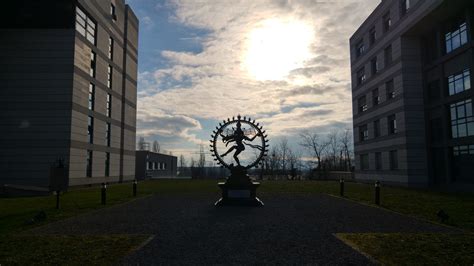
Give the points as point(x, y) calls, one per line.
point(284, 63)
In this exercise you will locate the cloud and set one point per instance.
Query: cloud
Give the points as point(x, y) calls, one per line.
point(147, 22)
point(214, 83)
point(156, 122)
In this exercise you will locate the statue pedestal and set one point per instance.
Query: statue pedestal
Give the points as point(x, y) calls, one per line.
point(239, 190)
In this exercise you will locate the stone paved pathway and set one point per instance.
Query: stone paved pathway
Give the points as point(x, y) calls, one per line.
point(289, 230)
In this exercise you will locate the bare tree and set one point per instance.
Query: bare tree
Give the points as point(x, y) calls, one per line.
point(283, 150)
point(202, 161)
point(273, 161)
point(294, 161)
point(156, 146)
point(141, 144)
point(182, 161)
point(346, 144)
point(333, 147)
point(314, 145)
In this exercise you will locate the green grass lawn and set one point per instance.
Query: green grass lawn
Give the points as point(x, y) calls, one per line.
point(16, 212)
point(66, 250)
point(414, 249)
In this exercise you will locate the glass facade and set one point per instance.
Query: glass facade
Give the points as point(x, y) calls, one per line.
point(93, 65)
point(393, 157)
point(462, 119)
point(364, 161)
point(89, 164)
point(107, 134)
point(111, 48)
point(109, 105)
point(456, 38)
point(107, 164)
point(459, 82)
point(109, 77)
point(85, 26)
point(90, 129)
point(91, 96)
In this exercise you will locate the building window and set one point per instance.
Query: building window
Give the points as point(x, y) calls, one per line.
point(164, 166)
point(89, 164)
point(463, 150)
point(91, 96)
point(111, 48)
point(107, 134)
point(374, 66)
point(378, 161)
point(93, 65)
point(377, 128)
point(361, 76)
point(390, 89)
point(388, 55)
point(107, 164)
point(364, 161)
point(363, 133)
point(456, 38)
point(90, 129)
point(109, 77)
point(362, 102)
point(375, 97)
point(434, 90)
point(360, 48)
point(393, 157)
point(85, 26)
point(149, 166)
point(372, 36)
point(387, 22)
point(459, 82)
point(112, 12)
point(155, 166)
point(392, 124)
point(404, 6)
point(109, 105)
point(462, 120)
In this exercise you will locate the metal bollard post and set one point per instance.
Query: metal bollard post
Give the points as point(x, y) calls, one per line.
point(135, 188)
point(377, 192)
point(341, 187)
point(103, 193)
point(57, 199)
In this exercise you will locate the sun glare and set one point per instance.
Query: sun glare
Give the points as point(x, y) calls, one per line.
point(276, 47)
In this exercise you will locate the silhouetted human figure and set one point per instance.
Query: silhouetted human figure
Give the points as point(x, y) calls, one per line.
point(238, 137)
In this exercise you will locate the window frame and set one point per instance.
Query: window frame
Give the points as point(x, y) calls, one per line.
point(86, 25)
point(392, 124)
point(393, 159)
point(90, 129)
point(465, 122)
point(453, 79)
point(456, 33)
point(108, 133)
point(108, 106)
point(89, 162)
point(91, 98)
point(107, 164)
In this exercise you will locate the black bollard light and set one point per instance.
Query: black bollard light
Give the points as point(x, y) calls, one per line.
point(377, 192)
point(57, 199)
point(135, 188)
point(341, 187)
point(103, 193)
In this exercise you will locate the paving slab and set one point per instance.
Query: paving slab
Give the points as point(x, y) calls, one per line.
point(288, 230)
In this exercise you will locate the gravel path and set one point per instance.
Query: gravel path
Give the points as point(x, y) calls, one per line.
point(289, 230)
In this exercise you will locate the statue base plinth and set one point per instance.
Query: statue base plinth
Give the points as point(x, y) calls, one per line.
point(239, 190)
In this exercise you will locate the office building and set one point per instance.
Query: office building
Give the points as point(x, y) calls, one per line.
point(155, 165)
point(411, 65)
point(69, 90)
